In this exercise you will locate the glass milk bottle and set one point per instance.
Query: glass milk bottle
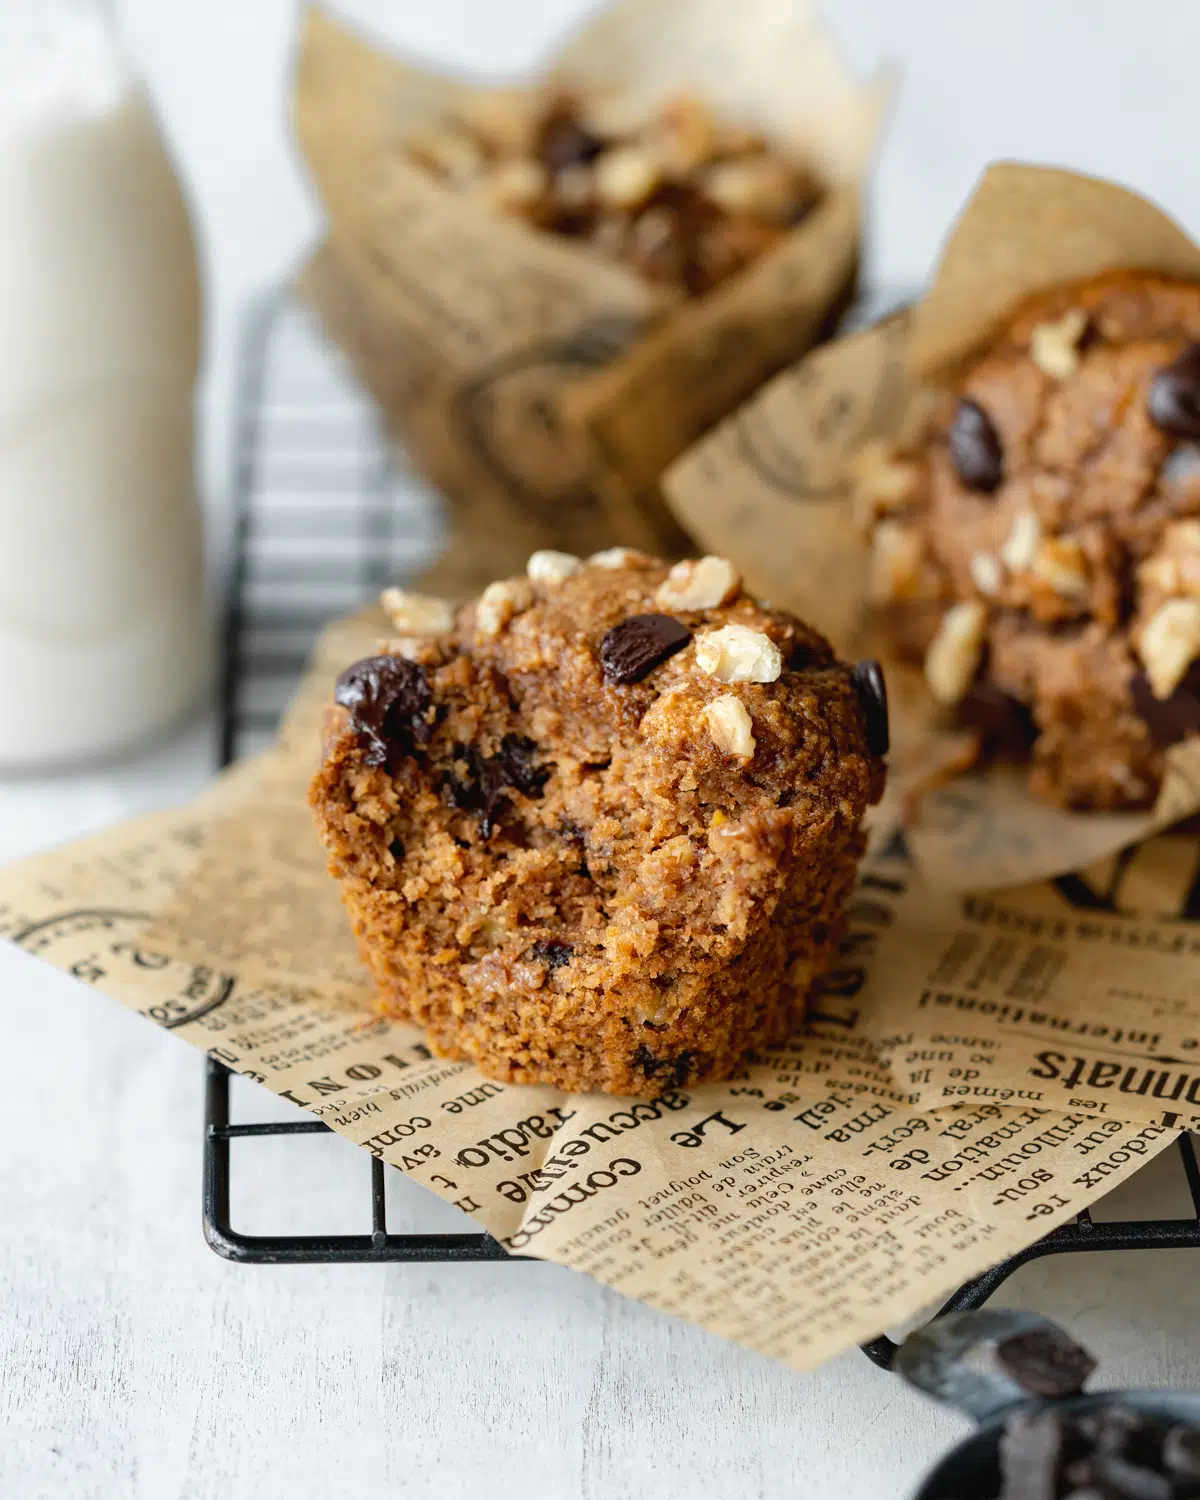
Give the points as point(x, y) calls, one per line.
point(103, 639)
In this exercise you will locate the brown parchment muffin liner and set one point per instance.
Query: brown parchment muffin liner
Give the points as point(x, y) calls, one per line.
point(772, 486)
point(541, 388)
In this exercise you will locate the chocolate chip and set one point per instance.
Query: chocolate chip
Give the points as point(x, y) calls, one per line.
point(677, 1070)
point(872, 695)
point(1116, 1477)
point(396, 850)
point(1004, 723)
point(975, 448)
point(1181, 1452)
point(477, 783)
point(553, 955)
point(389, 701)
point(1173, 401)
point(515, 765)
point(1172, 719)
point(632, 649)
point(805, 654)
point(1114, 1429)
point(1030, 1447)
point(1044, 1362)
point(563, 142)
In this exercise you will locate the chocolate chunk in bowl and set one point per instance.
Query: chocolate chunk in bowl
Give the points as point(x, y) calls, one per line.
point(599, 828)
point(1040, 1437)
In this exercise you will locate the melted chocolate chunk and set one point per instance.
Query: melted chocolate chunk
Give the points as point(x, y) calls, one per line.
point(1114, 1430)
point(481, 784)
point(975, 448)
point(1108, 1452)
point(1045, 1363)
point(1181, 1452)
point(389, 701)
point(1004, 722)
point(804, 655)
point(1105, 1476)
point(553, 955)
point(632, 649)
point(1173, 401)
point(1172, 719)
point(675, 1071)
point(872, 694)
point(563, 142)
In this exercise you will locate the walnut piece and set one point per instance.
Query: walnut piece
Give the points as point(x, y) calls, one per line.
point(552, 567)
point(1174, 569)
point(1169, 643)
point(618, 557)
point(882, 480)
point(702, 584)
point(760, 185)
point(956, 650)
point(1021, 545)
point(625, 176)
point(1054, 347)
point(1059, 562)
point(499, 602)
point(895, 568)
point(730, 726)
point(685, 134)
point(735, 653)
point(416, 614)
point(987, 574)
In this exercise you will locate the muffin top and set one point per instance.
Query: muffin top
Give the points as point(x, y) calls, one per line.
point(710, 692)
point(1044, 537)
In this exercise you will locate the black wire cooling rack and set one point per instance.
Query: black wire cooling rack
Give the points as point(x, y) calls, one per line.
point(324, 516)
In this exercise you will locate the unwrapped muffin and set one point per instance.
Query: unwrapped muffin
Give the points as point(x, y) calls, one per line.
point(1039, 549)
point(597, 829)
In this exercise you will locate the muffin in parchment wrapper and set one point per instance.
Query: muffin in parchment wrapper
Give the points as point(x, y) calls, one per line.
point(542, 388)
point(774, 486)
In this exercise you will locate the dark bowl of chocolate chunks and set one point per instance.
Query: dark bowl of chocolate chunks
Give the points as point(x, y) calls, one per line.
point(1039, 1435)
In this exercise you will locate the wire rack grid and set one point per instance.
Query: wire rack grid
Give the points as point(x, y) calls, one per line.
point(325, 514)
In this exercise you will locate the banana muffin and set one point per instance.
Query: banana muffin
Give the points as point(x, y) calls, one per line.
point(671, 191)
point(1039, 551)
point(597, 828)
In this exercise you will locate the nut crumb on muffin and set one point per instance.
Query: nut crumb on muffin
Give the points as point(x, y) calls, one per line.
point(679, 196)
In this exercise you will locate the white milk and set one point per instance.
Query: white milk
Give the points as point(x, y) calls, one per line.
point(102, 634)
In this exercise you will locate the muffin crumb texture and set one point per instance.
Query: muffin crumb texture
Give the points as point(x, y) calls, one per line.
point(1039, 553)
point(591, 841)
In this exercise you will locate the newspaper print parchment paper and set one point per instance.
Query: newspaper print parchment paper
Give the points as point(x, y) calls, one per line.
point(770, 487)
point(836, 1187)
